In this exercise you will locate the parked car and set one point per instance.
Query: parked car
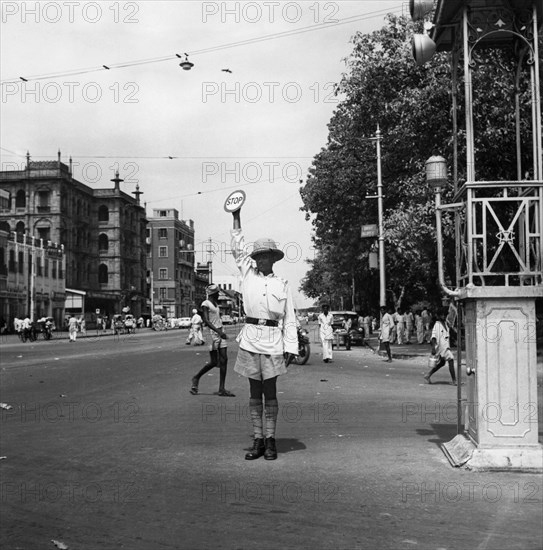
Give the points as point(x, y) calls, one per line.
point(357, 335)
point(184, 322)
point(340, 316)
point(227, 320)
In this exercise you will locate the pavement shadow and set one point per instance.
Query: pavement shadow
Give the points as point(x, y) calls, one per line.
point(439, 434)
point(287, 445)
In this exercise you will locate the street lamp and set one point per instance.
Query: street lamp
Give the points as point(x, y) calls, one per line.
point(436, 177)
point(186, 65)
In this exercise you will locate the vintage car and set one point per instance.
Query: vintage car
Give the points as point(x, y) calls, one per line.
point(184, 322)
point(356, 333)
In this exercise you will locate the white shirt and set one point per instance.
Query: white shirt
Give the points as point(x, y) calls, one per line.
point(325, 323)
point(441, 333)
point(196, 321)
point(264, 297)
point(386, 325)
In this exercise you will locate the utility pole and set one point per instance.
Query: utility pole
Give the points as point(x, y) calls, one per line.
point(380, 232)
point(210, 259)
point(382, 276)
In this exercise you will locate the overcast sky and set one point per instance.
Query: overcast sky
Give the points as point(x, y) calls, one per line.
point(255, 128)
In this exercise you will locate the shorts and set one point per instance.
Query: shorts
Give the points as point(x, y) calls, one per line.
point(259, 366)
point(446, 356)
point(216, 341)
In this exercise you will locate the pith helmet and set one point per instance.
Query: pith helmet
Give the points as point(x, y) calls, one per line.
point(267, 245)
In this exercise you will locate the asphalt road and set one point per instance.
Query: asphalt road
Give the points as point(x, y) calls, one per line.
point(105, 448)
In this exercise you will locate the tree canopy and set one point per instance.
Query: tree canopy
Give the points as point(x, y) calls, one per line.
point(412, 106)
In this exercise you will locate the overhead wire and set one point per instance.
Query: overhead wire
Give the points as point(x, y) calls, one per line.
point(249, 41)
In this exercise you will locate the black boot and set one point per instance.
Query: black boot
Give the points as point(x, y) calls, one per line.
point(270, 452)
point(257, 451)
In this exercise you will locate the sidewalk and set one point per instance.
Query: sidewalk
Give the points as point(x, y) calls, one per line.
point(399, 351)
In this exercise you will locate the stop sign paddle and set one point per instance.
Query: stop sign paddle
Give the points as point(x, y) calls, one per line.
point(234, 201)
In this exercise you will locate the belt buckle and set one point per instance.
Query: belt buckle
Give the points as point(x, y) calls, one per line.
point(262, 322)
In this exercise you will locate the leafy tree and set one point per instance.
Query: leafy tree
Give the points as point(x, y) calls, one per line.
point(412, 105)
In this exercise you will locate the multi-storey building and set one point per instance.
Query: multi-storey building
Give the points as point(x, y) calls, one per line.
point(31, 278)
point(102, 230)
point(170, 260)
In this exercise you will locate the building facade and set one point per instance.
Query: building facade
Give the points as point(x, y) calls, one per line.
point(102, 231)
point(32, 275)
point(170, 263)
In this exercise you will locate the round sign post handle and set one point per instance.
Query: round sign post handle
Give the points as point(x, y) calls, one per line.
point(234, 201)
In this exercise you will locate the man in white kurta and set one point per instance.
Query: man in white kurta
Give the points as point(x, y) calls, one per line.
point(268, 334)
point(326, 333)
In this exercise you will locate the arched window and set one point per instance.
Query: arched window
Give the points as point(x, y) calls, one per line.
point(20, 199)
point(4, 226)
point(103, 242)
point(20, 227)
point(103, 213)
point(102, 274)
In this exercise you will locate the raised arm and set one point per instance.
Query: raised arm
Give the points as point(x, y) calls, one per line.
point(243, 260)
point(237, 219)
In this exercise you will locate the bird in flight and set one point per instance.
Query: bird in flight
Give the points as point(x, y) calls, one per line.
point(226, 71)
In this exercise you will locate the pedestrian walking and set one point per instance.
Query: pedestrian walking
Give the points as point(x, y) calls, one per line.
point(400, 327)
point(268, 339)
point(347, 327)
point(367, 326)
point(393, 333)
point(195, 334)
point(409, 323)
point(387, 323)
point(72, 328)
point(426, 319)
point(326, 333)
point(441, 349)
point(218, 355)
point(18, 326)
point(419, 326)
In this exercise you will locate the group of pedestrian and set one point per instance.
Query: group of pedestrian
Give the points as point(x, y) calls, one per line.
point(397, 327)
point(24, 328)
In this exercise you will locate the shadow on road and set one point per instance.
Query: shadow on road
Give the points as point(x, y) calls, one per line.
point(441, 432)
point(285, 445)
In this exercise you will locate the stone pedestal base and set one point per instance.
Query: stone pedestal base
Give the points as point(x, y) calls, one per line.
point(461, 451)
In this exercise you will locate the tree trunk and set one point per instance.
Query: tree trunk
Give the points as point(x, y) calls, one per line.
point(398, 299)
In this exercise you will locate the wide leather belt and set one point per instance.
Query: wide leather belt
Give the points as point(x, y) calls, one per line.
point(262, 322)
